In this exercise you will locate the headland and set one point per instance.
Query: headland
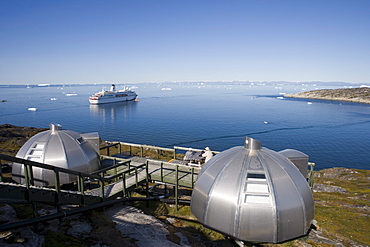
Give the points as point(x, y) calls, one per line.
point(358, 95)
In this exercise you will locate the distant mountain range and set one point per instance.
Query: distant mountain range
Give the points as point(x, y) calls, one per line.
point(300, 83)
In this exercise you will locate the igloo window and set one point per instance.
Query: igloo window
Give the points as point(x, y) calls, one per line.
point(256, 188)
point(256, 177)
point(257, 199)
point(80, 140)
point(36, 152)
point(39, 146)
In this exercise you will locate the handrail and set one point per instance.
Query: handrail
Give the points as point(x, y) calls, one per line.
point(111, 145)
point(41, 165)
point(124, 172)
point(125, 162)
point(145, 146)
point(190, 170)
point(186, 149)
point(194, 149)
point(29, 180)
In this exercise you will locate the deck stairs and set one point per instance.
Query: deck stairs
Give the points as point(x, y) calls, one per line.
point(118, 182)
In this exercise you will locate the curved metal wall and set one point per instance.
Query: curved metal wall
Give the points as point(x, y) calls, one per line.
point(253, 194)
point(62, 148)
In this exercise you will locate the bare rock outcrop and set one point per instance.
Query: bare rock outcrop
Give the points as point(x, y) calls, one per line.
point(358, 95)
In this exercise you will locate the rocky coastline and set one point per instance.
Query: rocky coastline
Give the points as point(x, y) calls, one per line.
point(358, 95)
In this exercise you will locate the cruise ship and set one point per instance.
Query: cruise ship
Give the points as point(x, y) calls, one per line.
point(112, 96)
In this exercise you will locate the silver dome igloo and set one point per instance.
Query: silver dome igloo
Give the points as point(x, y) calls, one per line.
point(253, 194)
point(61, 148)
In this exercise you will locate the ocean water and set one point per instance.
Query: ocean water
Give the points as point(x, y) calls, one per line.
point(219, 116)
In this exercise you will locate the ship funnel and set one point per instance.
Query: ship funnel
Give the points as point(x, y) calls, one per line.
point(251, 144)
point(54, 127)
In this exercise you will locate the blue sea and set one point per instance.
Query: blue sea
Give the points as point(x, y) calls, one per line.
point(197, 115)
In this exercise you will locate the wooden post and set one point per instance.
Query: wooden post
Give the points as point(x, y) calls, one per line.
point(161, 171)
point(27, 180)
point(114, 164)
point(192, 177)
point(81, 188)
point(147, 173)
point(136, 178)
point(57, 189)
point(177, 189)
point(101, 181)
point(78, 184)
point(1, 171)
point(30, 174)
point(124, 185)
point(147, 181)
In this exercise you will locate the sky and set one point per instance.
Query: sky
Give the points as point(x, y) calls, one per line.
point(90, 41)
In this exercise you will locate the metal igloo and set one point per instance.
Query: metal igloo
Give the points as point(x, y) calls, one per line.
point(252, 193)
point(61, 148)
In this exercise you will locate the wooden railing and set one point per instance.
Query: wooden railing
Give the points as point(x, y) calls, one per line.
point(141, 150)
point(82, 178)
point(120, 169)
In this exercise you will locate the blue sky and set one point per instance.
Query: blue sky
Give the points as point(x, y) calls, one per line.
point(156, 41)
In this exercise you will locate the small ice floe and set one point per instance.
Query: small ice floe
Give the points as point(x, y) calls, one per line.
point(166, 89)
point(309, 103)
point(280, 97)
point(70, 94)
point(53, 98)
point(32, 109)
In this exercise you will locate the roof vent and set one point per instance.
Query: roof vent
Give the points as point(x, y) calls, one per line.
point(251, 144)
point(54, 127)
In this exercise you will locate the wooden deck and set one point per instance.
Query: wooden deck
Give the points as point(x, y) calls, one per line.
point(158, 172)
point(120, 174)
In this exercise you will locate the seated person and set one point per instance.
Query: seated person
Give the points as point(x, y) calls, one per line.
point(189, 154)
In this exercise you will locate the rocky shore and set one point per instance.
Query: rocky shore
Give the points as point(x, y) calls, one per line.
point(358, 95)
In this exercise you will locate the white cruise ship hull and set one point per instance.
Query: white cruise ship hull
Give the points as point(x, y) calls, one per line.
point(113, 98)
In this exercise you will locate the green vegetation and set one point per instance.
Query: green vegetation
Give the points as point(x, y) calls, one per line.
point(344, 216)
point(13, 137)
point(60, 239)
point(24, 211)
